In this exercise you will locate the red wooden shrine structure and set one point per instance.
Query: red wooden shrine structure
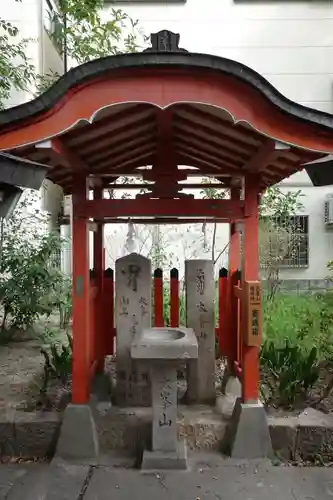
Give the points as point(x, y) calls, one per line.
point(149, 114)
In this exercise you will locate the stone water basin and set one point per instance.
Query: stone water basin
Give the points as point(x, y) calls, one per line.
point(165, 343)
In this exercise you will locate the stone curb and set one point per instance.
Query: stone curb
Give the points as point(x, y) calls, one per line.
point(24, 434)
point(304, 437)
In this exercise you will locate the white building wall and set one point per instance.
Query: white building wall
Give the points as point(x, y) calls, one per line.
point(291, 45)
point(27, 16)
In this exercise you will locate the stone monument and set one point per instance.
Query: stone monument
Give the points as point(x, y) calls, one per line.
point(133, 313)
point(200, 314)
point(165, 348)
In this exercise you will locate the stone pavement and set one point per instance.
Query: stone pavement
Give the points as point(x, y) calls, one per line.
point(211, 478)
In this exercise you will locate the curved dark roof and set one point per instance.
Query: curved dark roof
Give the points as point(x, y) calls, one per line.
point(20, 172)
point(159, 56)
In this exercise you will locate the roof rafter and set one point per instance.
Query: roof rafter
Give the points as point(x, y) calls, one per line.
point(62, 154)
point(266, 153)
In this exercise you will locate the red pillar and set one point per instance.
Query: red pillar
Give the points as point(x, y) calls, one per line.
point(92, 326)
point(233, 277)
point(234, 245)
point(250, 271)
point(158, 298)
point(99, 275)
point(81, 296)
point(108, 311)
point(174, 298)
point(222, 307)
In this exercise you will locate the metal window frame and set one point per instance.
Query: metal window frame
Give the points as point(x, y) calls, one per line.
point(299, 261)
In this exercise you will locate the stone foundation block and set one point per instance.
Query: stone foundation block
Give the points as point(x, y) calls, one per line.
point(165, 460)
point(248, 433)
point(78, 436)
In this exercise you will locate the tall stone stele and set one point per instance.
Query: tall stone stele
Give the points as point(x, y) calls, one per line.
point(133, 313)
point(200, 313)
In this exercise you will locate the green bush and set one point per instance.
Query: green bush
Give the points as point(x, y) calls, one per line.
point(289, 371)
point(298, 335)
point(58, 362)
point(305, 321)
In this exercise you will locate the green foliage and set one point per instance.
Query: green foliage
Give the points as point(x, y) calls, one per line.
point(60, 299)
point(88, 37)
point(80, 29)
point(48, 335)
point(279, 204)
point(290, 371)
point(82, 34)
point(305, 320)
point(298, 337)
point(28, 276)
point(58, 362)
point(16, 70)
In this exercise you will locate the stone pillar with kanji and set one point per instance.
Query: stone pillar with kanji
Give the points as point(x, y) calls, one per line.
point(200, 313)
point(133, 313)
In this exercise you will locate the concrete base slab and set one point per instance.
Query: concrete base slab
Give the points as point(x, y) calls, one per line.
point(78, 436)
point(248, 433)
point(165, 460)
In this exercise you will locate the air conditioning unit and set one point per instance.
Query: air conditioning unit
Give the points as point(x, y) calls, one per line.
point(329, 210)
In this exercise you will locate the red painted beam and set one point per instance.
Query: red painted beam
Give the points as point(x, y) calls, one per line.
point(160, 221)
point(265, 154)
point(98, 209)
point(61, 154)
point(150, 186)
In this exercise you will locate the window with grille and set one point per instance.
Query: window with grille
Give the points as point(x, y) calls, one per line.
point(286, 239)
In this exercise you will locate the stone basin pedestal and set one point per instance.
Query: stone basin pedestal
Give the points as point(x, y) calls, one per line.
point(165, 347)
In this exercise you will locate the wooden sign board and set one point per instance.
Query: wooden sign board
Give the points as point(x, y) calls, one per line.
point(253, 310)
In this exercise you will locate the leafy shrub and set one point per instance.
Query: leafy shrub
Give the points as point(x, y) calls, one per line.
point(58, 362)
point(305, 321)
point(60, 299)
point(290, 371)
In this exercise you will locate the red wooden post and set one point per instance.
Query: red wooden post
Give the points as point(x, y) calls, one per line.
point(98, 268)
point(108, 311)
point(174, 298)
point(250, 355)
point(81, 296)
point(222, 309)
point(238, 307)
point(233, 307)
point(234, 238)
point(158, 298)
point(92, 317)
